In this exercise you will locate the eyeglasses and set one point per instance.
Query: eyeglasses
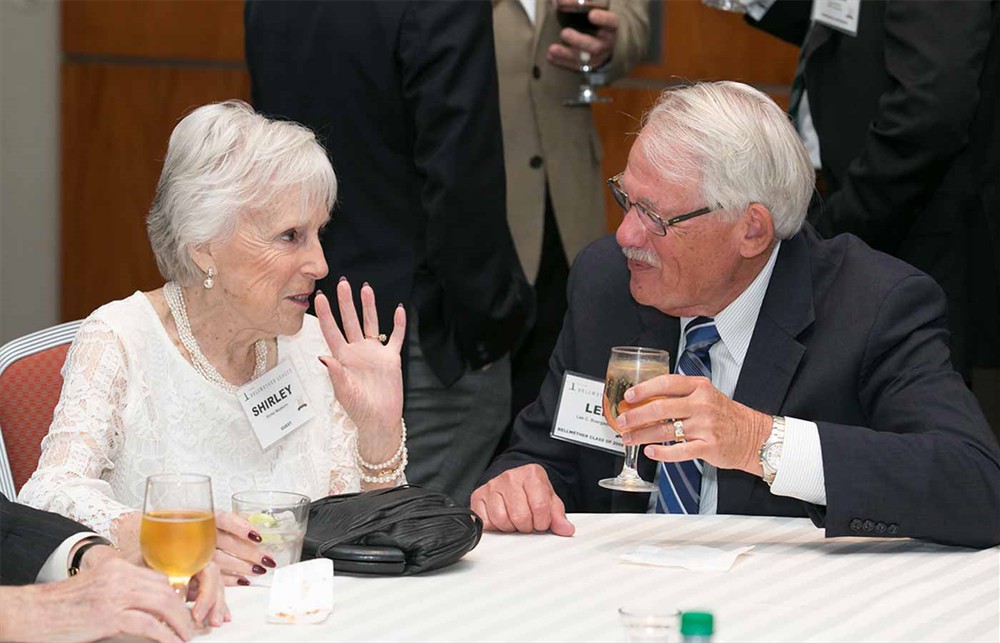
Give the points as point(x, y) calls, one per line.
point(653, 222)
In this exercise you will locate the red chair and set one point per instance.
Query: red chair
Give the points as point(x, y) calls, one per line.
point(30, 383)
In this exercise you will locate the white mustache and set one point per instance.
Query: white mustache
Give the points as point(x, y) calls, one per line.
point(641, 255)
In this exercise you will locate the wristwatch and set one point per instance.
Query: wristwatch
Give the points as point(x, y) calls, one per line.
point(770, 451)
point(87, 543)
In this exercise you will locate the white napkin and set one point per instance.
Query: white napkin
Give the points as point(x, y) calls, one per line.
point(302, 593)
point(697, 558)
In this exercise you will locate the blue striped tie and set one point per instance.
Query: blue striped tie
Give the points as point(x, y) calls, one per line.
point(680, 482)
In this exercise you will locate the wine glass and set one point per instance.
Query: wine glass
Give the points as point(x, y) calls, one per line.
point(734, 6)
point(574, 14)
point(628, 366)
point(177, 536)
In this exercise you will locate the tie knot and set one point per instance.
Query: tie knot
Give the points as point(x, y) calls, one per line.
point(700, 334)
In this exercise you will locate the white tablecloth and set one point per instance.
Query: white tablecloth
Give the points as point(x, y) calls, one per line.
point(795, 585)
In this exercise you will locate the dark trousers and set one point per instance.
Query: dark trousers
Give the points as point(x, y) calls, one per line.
point(530, 359)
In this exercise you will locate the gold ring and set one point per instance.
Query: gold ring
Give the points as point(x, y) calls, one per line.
point(679, 431)
point(381, 337)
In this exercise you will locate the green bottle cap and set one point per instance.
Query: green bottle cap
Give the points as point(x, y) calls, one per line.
point(697, 623)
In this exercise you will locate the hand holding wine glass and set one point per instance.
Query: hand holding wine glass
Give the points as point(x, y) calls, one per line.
point(587, 42)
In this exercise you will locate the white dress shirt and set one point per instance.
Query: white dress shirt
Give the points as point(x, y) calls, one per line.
point(56, 567)
point(800, 472)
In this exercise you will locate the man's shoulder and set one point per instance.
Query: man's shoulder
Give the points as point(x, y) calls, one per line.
point(850, 260)
point(602, 258)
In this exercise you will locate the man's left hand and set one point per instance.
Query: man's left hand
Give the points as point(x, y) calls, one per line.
point(716, 429)
point(600, 46)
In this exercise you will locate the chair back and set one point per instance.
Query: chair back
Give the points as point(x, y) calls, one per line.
point(30, 384)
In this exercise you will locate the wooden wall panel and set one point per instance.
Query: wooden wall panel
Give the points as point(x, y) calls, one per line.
point(206, 30)
point(115, 125)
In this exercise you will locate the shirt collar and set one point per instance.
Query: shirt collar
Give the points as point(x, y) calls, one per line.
point(736, 321)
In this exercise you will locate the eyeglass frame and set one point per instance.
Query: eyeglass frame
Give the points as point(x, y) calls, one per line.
point(614, 184)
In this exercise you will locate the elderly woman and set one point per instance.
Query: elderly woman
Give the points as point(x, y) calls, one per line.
point(157, 382)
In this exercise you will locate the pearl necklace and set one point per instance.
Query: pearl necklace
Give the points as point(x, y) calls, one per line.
point(175, 301)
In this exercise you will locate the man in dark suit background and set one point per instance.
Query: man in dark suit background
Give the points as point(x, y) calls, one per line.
point(106, 596)
point(907, 113)
point(404, 96)
point(813, 377)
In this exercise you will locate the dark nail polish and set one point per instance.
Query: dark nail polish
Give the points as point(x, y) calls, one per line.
point(399, 305)
point(269, 562)
point(254, 536)
point(257, 569)
point(321, 361)
point(242, 581)
point(365, 285)
point(342, 278)
point(319, 292)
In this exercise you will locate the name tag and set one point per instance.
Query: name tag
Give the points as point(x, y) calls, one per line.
point(275, 403)
point(841, 15)
point(580, 417)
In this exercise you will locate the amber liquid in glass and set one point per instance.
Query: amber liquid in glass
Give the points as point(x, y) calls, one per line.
point(177, 543)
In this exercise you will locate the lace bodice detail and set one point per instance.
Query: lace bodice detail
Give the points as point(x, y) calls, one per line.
point(132, 406)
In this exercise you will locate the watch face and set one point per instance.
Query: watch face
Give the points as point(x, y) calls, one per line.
point(771, 455)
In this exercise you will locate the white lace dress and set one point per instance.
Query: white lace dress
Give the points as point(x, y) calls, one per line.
point(131, 406)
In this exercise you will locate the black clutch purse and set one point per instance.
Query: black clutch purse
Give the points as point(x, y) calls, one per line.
point(402, 530)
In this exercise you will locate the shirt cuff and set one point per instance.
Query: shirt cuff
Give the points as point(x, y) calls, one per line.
point(56, 567)
point(800, 471)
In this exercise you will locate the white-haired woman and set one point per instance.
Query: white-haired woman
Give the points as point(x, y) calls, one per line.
point(153, 382)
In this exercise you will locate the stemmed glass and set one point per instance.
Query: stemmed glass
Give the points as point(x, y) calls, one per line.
point(177, 536)
point(628, 366)
point(574, 14)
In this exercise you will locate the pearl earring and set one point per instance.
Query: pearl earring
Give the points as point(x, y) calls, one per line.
point(209, 283)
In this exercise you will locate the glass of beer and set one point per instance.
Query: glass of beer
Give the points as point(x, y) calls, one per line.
point(575, 14)
point(628, 366)
point(177, 536)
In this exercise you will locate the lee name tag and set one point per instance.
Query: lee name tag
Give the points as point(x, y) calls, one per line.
point(275, 404)
point(841, 15)
point(579, 416)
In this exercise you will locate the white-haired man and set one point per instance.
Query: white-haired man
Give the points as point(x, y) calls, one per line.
point(813, 376)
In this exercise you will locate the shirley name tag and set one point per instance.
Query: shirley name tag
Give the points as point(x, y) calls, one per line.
point(579, 416)
point(275, 404)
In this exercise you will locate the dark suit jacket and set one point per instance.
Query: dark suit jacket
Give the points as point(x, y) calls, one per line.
point(27, 539)
point(846, 337)
point(908, 118)
point(404, 97)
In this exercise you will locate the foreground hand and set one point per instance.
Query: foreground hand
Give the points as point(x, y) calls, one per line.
point(523, 500)
point(367, 377)
point(208, 591)
point(237, 555)
point(600, 46)
point(717, 430)
point(114, 598)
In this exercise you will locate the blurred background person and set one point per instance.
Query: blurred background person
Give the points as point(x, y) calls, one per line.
point(152, 382)
point(905, 100)
point(408, 92)
point(88, 591)
point(552, 152)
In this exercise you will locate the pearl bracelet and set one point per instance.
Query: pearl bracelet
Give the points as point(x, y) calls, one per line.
point(388, 475)
point(391, 462)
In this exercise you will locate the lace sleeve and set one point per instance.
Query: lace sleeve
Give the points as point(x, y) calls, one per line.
point(85, 434)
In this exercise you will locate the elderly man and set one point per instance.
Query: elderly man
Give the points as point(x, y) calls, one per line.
point(813, 378)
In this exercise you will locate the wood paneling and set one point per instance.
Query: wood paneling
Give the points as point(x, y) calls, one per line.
point(205, 30)
point(115, 126)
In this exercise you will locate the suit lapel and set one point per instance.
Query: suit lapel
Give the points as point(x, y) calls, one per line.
point(773, 356)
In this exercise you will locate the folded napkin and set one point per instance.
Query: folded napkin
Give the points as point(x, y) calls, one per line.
point(302, 593)
point(697, 558)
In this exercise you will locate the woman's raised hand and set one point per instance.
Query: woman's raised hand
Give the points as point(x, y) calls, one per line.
point(366, 374)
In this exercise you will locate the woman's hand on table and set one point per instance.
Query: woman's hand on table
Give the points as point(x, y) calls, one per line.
point(523, 500)
point(208, 591)
point(237, 553)
point(367, 376)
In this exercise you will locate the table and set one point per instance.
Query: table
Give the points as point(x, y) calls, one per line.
point(795, 585)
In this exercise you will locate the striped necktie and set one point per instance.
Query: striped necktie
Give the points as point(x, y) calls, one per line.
point(679, 483)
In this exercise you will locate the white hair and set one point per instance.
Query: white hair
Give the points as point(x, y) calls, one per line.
point(225, 160)
point(738, 143)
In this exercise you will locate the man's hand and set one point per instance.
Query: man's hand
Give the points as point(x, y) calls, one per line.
point(112, 598)
point(523, 500)
point(599, 46)
point(717, 430)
